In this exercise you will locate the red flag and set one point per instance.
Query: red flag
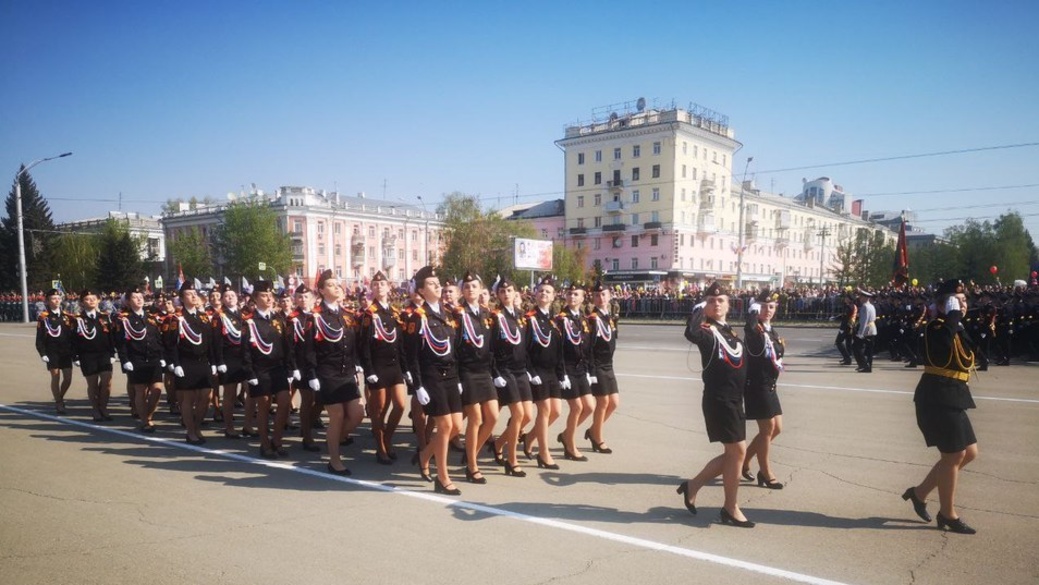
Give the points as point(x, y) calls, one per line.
point(180, 276)
point(901, 267)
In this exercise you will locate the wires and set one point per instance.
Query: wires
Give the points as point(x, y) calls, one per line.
point(902, 157)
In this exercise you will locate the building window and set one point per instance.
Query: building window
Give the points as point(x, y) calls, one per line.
point(714, 156)
point(598, 156)
point(685, 147)
point(414, 236)
point(616, 220)
point(371, 231)
point(580, 180)
point(656, 194)
point(320, 227)
point(725, 160)
point(580, 158)
point(634, 219)
point(634, 263)
point(656, 171)
point(580, 245)
point(634, 241)
point(656, 148)
point(400, 254)
point(297, 227)
point(598, 221)
point(654, 216)
point(653, 262)
point(339, 250)
point(544, 233)
point(337, 228)
point(617, 177)
point(580, 222)
point(654, 240)
point(635, 196)
point(617, 153)
point(414, 255)
point(636, 151)
point(615, 264)
point(580, 200)
point(598, 200)
point(559, 233)
point(371, 251)
point(683, 171)
point(320, 249)
point(597, 243)
point(635, 174)
point(683, 194)
point(695, 150)
point(694, 173)
point(598, 178)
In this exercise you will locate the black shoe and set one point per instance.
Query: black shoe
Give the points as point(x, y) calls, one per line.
point(570, 456)
point(250, 434)
point(340, 472)
point(499, 456)
point(310, 447)
point(232, 435)
point(526, 446)
point(726, 518)
point(543, 465)
point(747, 475)
point(280, 450)
point(269, 453)
point(514, 471)
point(683, 489)
point(383, 459)
point(598, 448)
point(919, 506)
point(911, 365)
point(455, 448)
point(470, 476)
point(559, 438)
point(191, 441)
point(769, 483)
point(442, 489)
point(318, 424)
point(846, 363)
point(98, 418)
point(107, 417)
point(864, 370)
point(346, 442)
point(148, 428)
point(957, 525)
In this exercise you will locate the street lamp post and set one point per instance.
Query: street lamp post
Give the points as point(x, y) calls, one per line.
point(739, 250)
point(22, 275)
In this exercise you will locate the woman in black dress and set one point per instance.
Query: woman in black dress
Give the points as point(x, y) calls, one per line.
point(382, 357)
point(724, 377)
point(942, 399)
point(765, 362)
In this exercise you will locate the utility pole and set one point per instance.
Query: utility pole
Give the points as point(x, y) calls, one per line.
point(739, 250)
point(822, 253)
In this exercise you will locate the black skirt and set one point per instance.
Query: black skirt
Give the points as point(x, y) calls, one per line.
point(235, 373)
point(145, 373)
point(94, 363)
point(58, 361)
point(389, 375)
point(517, 389)
point(579, 387)
point(442, 387)
point(477, 387)
point(947, 428)
point(761, 401)
point(549, 387)
point(338, 389)
point(605, 382)
point(726, 422)
point(196, 375)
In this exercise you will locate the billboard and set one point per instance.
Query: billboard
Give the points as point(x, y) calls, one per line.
point(532, 254)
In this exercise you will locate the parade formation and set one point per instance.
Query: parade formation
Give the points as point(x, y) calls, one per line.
point(462, 355)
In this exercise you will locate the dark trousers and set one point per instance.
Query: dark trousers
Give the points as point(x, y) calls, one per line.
point(864, 352)
point(843, 343)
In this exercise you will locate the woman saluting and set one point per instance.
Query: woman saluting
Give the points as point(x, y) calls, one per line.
point(724, 377)
point(765, 347)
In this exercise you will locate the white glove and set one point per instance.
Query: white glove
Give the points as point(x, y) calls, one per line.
point(45, 359)
point(592, 379)
point(315, 385)
point(535, 380)
point(407, 376)
point(460, 388)
point(359, 369)
point(699, 306)
point(296, 375)
point(111, 360)
point(565, 383)
point(178, 372)
point(755, 307)
point(373, 379)
point(212, 370)
point(254, 382)
point(162, 363)
point(500, 382)
point(171, 367)
point(422, 396)
point(222, 368)
point(75, 363)
point(953, 304)
point(127, 366)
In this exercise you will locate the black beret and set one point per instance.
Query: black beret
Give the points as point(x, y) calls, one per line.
point(52, 291)
point(326, 276)
point(503, 282)
point(302, 289)
point(87, 292)
point(188, 285)
point(424, 273)
point(950, 287)
point(471, 277)
point(378, 276)
point(263, 286)
point(767, 296)
point(132, 290)
point(716, 289)
point(547, 280)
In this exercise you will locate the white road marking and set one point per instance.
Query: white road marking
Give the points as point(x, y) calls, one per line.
point(451, 502)
point(842, 388)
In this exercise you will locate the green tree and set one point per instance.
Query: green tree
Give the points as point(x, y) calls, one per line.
point(249, 235)
point(568, 263)
point(975, 244)
point(1014, 248)
point(39, 235)
point(479, 240)
point(190, 249)
point(119, 264)
point(76, 259)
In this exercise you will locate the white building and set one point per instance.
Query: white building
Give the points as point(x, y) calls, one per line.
point(148, 228)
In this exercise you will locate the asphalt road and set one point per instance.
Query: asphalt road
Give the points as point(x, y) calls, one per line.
point(88, 503)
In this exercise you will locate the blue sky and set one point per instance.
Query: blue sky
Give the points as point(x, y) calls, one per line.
point(177, 99)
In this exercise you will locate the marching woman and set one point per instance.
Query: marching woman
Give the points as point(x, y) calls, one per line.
point(382, 357)
point(229, 355)
point(270, 366)
point(189, 338)
point(475, 363)
point(330, 353)
point(511, 377)
point(724, 377)
point(545, 354)
point(576, 387)
point(139, 343)
point(309, 401)
point(430, 353)
point(764, 363)
point(94, 346)
point(603, 327)
point(942, 399)
point(54, 331)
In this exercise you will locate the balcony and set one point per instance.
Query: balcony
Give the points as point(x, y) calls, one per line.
point(652, 225)
point(707, 202)
point(578, 231)
point(389, 240)
point(615, 227)
point(613, 206)
point(615, 185)
point(706, 187)
point(782, 241)
point(389, 260)
point(706, 225)
point(359, 239)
